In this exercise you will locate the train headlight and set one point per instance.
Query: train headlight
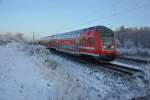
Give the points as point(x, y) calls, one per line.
point(112, 47)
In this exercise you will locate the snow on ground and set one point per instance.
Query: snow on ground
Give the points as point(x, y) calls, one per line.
point(19, 78)
point(141, 53)
point(33, 73)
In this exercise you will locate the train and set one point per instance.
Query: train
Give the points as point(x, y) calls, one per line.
point(97, 42)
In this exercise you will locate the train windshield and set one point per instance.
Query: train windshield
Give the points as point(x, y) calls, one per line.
point(107, 39)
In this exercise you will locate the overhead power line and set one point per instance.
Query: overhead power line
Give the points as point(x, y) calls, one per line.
point(108, 7)
point(114, 14)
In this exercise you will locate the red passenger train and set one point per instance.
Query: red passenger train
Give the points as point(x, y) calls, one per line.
point(98, 42)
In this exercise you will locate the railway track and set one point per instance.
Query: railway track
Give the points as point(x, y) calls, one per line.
point(109, 66)
point(135, 60)
point(122, 68)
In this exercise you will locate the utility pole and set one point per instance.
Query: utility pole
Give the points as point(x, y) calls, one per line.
point(33, 37)
point(33, 42)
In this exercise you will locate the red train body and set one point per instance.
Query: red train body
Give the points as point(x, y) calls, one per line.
point(98, 42)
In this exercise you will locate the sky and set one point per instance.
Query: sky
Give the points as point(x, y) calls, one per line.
point(47, 17)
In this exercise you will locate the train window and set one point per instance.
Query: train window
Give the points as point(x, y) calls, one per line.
point(78, 35)
point(83, 40)
point(70, 35)
point(74, 35)
point(77, 41)
point(67, 36)
point(91, 40)
point(64, 35)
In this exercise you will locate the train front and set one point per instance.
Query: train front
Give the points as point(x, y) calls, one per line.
point(107, 48)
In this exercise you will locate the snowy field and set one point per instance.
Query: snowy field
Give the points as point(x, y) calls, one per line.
point(33, 73)
point(140, 53)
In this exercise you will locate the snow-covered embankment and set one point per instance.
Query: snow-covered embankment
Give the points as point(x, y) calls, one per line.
point(33, 73)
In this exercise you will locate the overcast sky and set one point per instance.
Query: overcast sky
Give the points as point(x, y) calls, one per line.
point(46, 17)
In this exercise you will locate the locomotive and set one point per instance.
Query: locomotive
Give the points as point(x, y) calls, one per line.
point(97, 42)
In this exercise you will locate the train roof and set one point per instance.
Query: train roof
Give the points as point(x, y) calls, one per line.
point(103, 29)
point(98, 28)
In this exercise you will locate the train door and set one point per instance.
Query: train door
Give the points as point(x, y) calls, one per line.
point(91, 40)
point(83, 41)
point(77, 45)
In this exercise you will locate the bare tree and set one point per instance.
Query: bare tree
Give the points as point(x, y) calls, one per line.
point(7, 36)
point(139, 36)
point(19, 37)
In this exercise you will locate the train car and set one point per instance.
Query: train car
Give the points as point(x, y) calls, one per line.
point(97, 42)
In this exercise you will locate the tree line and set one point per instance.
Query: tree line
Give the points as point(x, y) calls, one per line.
point(133, 37)
point(9, 37)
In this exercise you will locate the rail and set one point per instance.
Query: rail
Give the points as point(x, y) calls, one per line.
point(135, 59)
point(122, 68)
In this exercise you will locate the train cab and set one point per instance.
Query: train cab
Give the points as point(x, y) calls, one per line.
point(98, 42)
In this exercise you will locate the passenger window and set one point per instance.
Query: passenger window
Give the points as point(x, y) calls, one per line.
point(91, 40)
point(77, 41)
point(83, 41)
